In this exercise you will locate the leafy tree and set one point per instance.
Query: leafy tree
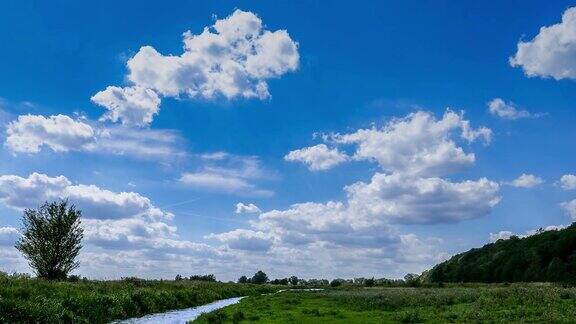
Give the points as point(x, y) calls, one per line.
point(411, 279)
point(210, 278)
point(51, 239)
point(243, 279)
point(335, 283)
point(544, 256)
point(259, 278)
point(293, 280)
point(369, 282)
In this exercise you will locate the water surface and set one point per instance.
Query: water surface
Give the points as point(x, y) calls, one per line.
point(183, 315)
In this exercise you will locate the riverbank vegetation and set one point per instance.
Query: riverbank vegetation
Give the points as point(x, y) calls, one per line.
point(449, 304)
point(30, 300)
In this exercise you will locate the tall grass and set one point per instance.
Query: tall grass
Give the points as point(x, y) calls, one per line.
point(34, 301)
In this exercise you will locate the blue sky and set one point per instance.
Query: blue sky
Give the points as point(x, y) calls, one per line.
point(187, 134)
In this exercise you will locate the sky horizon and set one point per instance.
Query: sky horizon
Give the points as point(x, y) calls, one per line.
point(322, 141)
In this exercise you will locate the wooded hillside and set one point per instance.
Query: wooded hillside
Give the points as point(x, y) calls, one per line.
point(545, 256)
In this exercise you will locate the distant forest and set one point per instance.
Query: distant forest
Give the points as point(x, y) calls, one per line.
point(545, 256)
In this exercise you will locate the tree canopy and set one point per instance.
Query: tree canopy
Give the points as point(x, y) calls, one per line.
point(545, 256)
point(51, 239)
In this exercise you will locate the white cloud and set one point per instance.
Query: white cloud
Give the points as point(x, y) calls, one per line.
point(233, 58)
point(241, 239)
point(229, 173)
point(568, 182)
point(214, 181)
point(215, 156)
point(417, 144)
point(318, 157)
point(364, 234)
point(368, 227)
point(8, 236)
point(570, 208)
point(30, 133)
point(526, 181)
point(499, 108)
point(60, 133)
point(120, 229)
point(331, 224)
point(133, 106)
point(402, 199)
point(147, 144)
point(552, 53)
point(247, 208)
point(19, 193)
point(504, 235)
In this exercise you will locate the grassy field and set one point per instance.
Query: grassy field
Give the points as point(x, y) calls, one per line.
point(454, 304)
point(38, 301)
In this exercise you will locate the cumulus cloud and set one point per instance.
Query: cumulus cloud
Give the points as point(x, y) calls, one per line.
point(19, 193)
point(499, 108)
point(526, 181)
point(423, 200)
point(318, 157)
point(331, 224)
point(552, 53)
point(369, 225)
point(119, 227)
point(417, 144)
point(233, 58)
point(134, 106)
point(568, 182)
point(60, 133)
point(230, 174)
point(241, 239)
point(570, 208)
point(247, 208)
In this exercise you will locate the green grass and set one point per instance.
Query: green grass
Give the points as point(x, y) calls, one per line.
point(38, 301)
point(515, 303)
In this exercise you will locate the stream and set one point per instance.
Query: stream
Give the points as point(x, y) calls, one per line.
point(183, 315)
point(189, 314)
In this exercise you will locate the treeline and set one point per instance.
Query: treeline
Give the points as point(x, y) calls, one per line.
point(209, 278)
point(261, 278)
point(546, 256)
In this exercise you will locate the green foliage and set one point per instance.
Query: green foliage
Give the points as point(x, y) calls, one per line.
point(51, 239)
point(369, 282)
point(209, 277)
point(243, 279)
point(259, 278)
point(336, 283)
point(26, 300)
point(546, 256)
point(474, 303)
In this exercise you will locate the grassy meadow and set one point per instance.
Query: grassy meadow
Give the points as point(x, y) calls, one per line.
point(494, 303)
point(25, 300)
